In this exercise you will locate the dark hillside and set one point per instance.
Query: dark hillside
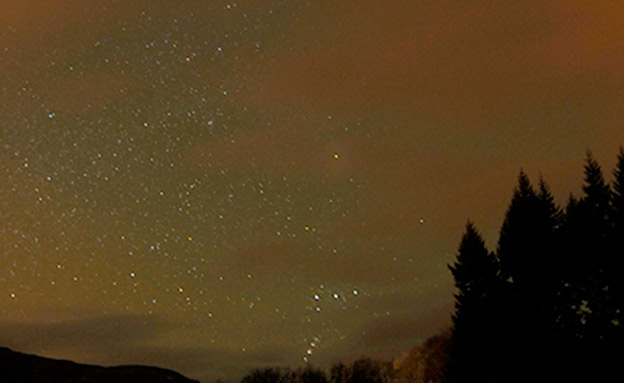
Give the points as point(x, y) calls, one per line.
point(16, 367)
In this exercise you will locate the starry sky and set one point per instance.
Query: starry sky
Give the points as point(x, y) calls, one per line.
point(212, 186)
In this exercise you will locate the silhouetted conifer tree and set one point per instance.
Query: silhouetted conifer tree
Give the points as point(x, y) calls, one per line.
point(544, 292)
point(555, 312)
point(570, 288)
point(516, 253)
point(615, 272)
point(549, 222)
point(528, 256)
point(584, 297)
point(618, 225)
point(573, 295)
point(596, 245)
point(596, 208)
point(618, 201)
point(470, 350)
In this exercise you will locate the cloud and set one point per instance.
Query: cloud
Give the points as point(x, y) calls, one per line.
point(293, 147)
point(124, 339)
point(205, 363)
point(108, 332)
point(412, 318)
point(452, 64)
point(103, 340)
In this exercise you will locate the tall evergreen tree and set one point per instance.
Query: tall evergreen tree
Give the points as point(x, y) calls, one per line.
point(548, 278)
point(615, 271)
point(585, 297)
point(471, 347)
point(514, 251)
point(573, 266)
point(571, 272)
point(596, 204)
point(549, 222)
point(554, 295)
point(596, 244)
point(618, 208)
point(587, 225)
point(527, 253)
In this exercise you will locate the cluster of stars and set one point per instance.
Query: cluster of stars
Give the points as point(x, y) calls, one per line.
point(138, 180)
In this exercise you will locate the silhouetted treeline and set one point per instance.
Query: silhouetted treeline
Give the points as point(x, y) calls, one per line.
point(363, 370)
point(548, 304)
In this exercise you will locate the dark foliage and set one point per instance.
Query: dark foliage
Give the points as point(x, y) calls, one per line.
point(618, 198)
point(477, 281)
point(285, 375)
point(528, 259)
point(616, 272)
point(268, 375)
point(556, 302)
point(17, 367)
point(547, 306)
point(425, 363)
point(310, 375)
point(339, 373)
point(365, 370)
point(436, 351)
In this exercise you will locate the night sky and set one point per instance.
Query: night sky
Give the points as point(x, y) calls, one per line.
point(213, 186)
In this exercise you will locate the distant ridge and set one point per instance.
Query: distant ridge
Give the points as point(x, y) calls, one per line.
point(16, 367)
